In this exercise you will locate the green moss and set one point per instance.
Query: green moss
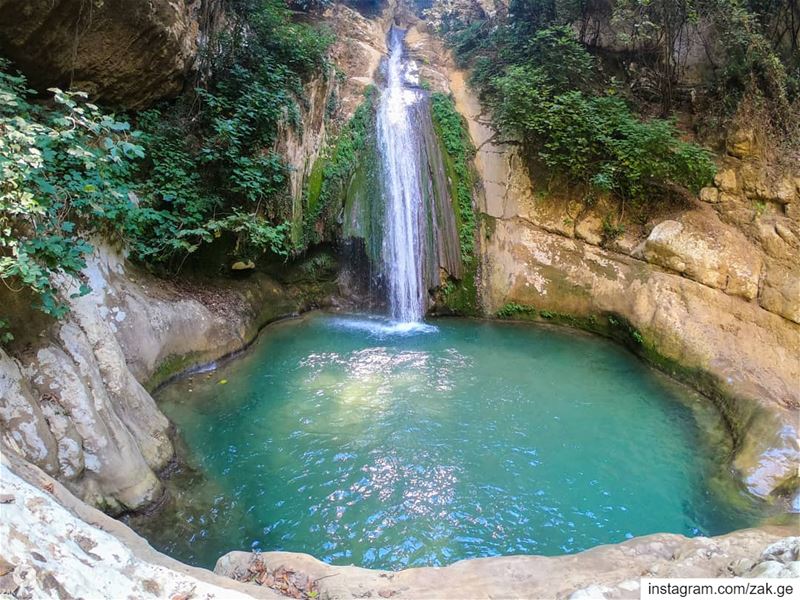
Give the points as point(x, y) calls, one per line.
point(517, 311)
point(314, 189)
point(332, 173)
point(457, 152)
point(460, 297)
point(172, 366)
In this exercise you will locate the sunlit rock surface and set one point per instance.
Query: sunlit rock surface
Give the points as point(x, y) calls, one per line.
point(54, 546)
point(603, 572)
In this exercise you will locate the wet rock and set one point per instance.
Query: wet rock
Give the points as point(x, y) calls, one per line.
point(74, 403)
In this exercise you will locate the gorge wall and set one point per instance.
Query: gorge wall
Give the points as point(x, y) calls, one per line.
point(73, 398)
point(128, 54)
point(74, 394)
point(710, 292)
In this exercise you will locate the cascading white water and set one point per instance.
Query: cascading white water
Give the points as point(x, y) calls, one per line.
point(398, 149)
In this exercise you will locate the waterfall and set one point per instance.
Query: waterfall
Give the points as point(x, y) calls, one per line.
point(399, 204)
point(398, 145)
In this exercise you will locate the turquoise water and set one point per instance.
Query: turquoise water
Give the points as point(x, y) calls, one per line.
point(362, 444)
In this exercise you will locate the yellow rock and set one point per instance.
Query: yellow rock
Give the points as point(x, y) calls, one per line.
point(709, 194)
point(243, 265)
point(727, 181)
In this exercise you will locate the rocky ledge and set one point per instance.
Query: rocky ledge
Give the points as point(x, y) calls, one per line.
point(612, 571)
point(55, 546)
point(74, 394)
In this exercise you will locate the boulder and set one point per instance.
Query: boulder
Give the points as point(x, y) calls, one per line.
point(727, 181)
point(241, 265)
point(784, 191)
point(710, 195)
point(713, 255)
point(742, 143)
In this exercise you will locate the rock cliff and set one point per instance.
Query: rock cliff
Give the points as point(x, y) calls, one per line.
point(73, 399)
point(708, 291)
point(123, 53)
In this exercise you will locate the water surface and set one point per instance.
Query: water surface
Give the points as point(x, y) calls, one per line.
point(389, 447)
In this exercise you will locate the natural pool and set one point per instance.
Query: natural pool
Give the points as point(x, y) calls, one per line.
point(385, 448)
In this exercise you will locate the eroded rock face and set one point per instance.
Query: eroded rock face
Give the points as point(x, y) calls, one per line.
point(781, 293)
point(706, 251)
point(73, 401)
point(710, 292)
point(127, 53)
point(50, 549)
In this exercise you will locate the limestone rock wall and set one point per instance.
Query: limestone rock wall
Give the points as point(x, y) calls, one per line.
point(72, 399)
point(123, 52)
point(711, 290)
point(55, 546)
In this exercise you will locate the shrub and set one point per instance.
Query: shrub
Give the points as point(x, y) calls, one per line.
point(223, 177)
point(596, 140)
point(63, 177)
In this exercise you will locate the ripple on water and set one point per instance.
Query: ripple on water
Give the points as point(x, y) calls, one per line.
point(368, 442)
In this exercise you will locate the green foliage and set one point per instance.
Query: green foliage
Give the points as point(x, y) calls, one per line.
point(63, 177)
point(222, 178)
point(596, 140)
point(512, 309)
point(758, 39)
point(332, 173)
point(541, 84)
point(70, 171)
point(451, 130)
